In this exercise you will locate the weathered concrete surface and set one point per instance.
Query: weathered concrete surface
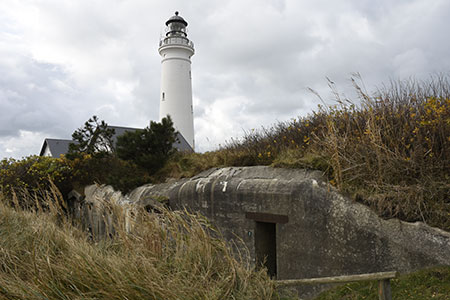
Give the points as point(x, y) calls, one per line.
point(325, 234)
point(93, 209)
point(96, 214)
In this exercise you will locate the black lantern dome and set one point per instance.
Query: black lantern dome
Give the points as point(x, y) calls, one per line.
point(176, 18)
point(176, 26)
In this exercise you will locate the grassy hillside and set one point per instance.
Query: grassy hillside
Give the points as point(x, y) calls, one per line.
point(391, 151)
point(168, 256)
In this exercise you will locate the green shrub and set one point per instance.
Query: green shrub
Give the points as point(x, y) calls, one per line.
point(94, 138)
point(108, 169)
point(149, 148)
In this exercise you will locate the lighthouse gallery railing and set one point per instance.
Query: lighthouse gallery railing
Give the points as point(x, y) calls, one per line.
point(176, 40)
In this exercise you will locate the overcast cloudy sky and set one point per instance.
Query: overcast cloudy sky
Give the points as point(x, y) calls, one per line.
point(62, 61)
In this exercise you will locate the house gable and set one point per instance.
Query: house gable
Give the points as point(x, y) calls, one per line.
point(55, 147)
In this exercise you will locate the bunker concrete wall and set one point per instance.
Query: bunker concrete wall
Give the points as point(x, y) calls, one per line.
point(318, 231)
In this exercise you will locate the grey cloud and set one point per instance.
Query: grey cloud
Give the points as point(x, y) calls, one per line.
point(254, 59)
point(29, 101)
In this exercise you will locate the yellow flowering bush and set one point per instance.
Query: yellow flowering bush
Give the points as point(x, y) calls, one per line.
point(34, 172)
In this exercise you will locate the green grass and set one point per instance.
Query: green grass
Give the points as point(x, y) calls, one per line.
point(426, 284)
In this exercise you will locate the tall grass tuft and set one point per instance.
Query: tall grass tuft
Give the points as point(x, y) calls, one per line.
point(171, 255)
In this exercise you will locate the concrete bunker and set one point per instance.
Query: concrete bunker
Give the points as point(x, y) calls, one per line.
point(293, 219)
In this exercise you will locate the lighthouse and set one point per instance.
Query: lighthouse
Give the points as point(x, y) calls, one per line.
point(176, 51)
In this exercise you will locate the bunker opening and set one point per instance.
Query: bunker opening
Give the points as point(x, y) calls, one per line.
point(266, 247)
point(266, 239)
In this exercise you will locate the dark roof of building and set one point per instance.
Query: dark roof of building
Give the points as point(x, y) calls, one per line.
point(118, 131)
point(181, 144)
point(61, 146)
point(56, 146)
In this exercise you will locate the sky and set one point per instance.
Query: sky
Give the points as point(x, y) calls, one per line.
point(63, 61)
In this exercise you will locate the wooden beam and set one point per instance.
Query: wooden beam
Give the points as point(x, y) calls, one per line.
point(267, 218)
point(339, 279)
point(384, 290)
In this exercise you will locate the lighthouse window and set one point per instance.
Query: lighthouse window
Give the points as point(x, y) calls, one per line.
point(163, 96)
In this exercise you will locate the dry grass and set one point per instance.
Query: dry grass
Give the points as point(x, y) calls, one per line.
point(172, 255)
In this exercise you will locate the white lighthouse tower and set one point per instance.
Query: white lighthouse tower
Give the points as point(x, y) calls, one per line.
point(176, 51)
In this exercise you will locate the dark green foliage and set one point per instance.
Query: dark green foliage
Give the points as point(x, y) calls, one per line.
point(90, 160)
point(34, 173)
point(94, 138)
point(148, 148)
point(109, 169)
